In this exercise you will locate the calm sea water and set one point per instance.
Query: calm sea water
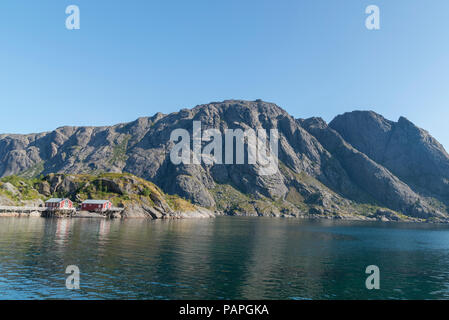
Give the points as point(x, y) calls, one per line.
point(222, 258)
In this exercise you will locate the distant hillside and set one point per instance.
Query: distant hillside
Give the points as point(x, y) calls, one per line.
point(360, 166)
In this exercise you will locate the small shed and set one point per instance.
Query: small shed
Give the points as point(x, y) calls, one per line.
point(96, 205)
point(58, 203)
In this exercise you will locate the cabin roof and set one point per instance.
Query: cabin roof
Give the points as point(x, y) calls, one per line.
point(57, 200)
point(95, 201)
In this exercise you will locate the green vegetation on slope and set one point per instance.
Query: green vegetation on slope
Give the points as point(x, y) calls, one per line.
point(122, 189)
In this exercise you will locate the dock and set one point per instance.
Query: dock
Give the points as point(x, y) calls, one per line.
point(18, 209)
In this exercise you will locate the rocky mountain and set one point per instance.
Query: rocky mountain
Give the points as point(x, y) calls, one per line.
point(359, 166)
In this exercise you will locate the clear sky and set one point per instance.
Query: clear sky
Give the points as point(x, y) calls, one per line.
point(137, 57)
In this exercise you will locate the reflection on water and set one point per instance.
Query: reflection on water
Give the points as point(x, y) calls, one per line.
point(223, 258)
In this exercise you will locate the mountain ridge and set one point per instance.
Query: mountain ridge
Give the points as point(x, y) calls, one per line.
point(332, 170)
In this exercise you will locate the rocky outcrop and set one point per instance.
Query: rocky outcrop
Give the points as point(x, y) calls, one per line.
point(6, 201)
point(10, 188)
point(136, 197)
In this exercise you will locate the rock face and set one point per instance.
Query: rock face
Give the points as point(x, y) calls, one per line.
point(368, 175)
point(359, 162)
point(409, 152)
point(10, 188)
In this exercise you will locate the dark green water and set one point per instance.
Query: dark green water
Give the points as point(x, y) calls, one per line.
point(223, 258)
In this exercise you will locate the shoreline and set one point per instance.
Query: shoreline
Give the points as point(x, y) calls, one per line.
point(208, 214)
point(197, 214)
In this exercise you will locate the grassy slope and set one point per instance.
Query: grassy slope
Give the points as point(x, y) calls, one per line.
point(91, 187)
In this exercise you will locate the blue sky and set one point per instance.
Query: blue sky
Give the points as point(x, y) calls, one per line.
point(137, 57)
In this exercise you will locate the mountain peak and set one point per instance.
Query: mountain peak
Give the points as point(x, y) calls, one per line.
point(408, 151)
point(256, 105)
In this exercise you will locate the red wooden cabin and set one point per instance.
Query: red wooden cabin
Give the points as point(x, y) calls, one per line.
point(58, 203)
point(96, 205)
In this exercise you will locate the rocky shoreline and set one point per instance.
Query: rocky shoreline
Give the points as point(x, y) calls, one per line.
point(203, 213)
point(200, 214)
